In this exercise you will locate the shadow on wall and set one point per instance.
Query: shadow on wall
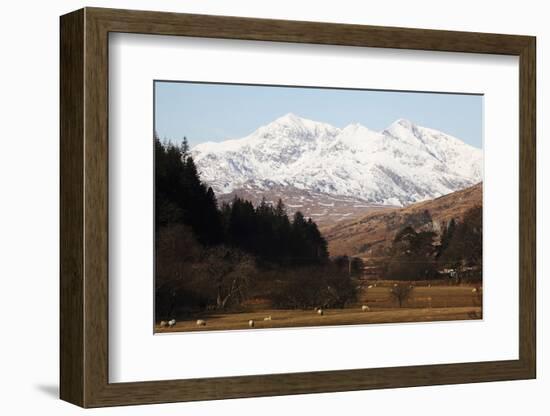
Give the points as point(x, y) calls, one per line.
point(51, 390)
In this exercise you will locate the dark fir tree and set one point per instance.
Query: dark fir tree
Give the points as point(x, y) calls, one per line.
point(180, 197)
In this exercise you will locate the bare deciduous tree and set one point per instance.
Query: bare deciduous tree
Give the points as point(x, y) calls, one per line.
point(176, 250)
point(401, 292)
point(230, 272)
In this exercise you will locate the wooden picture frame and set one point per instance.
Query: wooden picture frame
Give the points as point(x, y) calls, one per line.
point(84, 207)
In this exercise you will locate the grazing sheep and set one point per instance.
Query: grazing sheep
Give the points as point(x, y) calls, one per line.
point(365, 308)
point(370, 287)
point(171, 323)
point(267, 318)
point(474, 290)
point(163, 324)
point(251, 323)
point(395, 285)
point(201, 322)
point(320, 312)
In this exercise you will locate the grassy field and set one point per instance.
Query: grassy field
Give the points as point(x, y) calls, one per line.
point(423, 296)
point(427, 303)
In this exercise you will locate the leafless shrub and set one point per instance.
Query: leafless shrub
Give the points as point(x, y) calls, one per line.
point(401, 292)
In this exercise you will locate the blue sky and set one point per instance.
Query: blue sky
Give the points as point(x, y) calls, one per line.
point(215, 112)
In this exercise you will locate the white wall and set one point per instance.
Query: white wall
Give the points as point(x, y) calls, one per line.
point(29, 206)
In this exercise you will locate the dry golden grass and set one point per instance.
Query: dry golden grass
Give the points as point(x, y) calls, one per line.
point(423, 297)
point(436, 303)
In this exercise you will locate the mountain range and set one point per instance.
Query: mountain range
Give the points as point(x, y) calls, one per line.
point(325, 170)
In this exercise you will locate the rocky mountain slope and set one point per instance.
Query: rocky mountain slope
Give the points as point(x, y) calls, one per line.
point(323, 208)
point(369, 235)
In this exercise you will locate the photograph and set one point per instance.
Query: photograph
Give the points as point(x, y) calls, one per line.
point(259, 203)
point(282, 206)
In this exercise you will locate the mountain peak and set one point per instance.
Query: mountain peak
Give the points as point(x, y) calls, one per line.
point(289, 117)
point(403, 122)
point(353, 126)
point(293, 125)
point(404, 130)
point(358, 130)
point(292, 120)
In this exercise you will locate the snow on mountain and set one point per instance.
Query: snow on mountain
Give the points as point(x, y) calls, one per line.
point(402, 164)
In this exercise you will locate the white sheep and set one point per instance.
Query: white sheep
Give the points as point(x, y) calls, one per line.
point(474, 290)
point(201, 322)
point(365, 308)
point(163, 324)
point(267, 318)
point(320, 312)
point(251, 323)
point(395, 285)
point(370, 287)
point(171, 323)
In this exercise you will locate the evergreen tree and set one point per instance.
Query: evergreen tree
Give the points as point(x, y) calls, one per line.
point(412, 255)
point(180, 196)
point(212, 220)
point(167, 172)
point(447, 236)
point(184, 149)
point(282, 235)
point(280, 209)
point(465, 246)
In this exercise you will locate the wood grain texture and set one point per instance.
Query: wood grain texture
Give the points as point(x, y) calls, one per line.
point(96, 218)
point(527, 208)
point(84, 207)
point(71, 197)
point(225, 27)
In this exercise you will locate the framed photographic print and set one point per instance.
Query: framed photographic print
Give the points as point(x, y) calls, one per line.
point(255, 207)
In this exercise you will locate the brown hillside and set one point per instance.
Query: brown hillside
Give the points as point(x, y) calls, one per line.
point(370, 235)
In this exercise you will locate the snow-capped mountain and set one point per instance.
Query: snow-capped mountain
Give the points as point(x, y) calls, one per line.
point(402, 164)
